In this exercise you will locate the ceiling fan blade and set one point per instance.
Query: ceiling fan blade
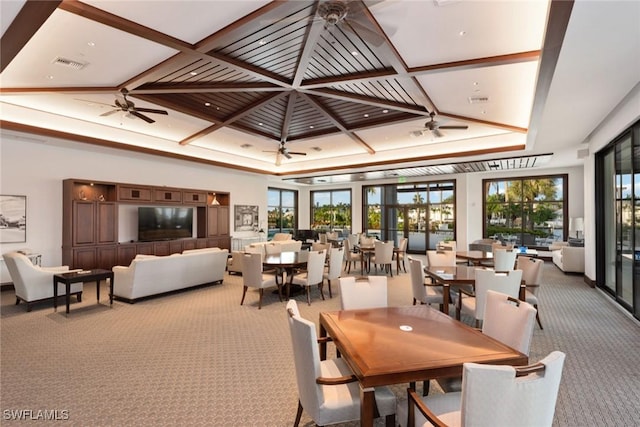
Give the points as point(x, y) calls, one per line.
point(297, 153)
point(141, 116)
point(454, 127)
point(364, 32)
point(108, 113)
point(151, 110)
point(285, 153)
point(278, 158)
point(437, 133)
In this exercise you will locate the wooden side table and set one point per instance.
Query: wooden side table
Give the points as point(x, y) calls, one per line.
point(81, 276)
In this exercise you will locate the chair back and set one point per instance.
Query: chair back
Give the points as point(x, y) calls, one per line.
point(282, 236)
point(506, 282)
point(317, 246)
point(306, 357)
point(366, 241)
point(499, 245)
point(273, 248)
point(527, 400)
point(322, 237)
point(335, 263)
point(20, 268)
point(256, 249)
point(353, 240)
point(438, 258)
point(315, 267)
point(448, 245)
point(532, 269)
point(509, 321)
point(363, 293)
point(504, 259)
point(332, 235)
point(383, 252)
point(416, 270)
point(252, 270)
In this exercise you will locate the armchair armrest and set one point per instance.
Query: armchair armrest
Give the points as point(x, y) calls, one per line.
point(337, 380)
point(414, 401)
point(59, 269)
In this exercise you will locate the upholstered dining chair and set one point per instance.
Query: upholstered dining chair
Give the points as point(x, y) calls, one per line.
point(492, 395)
point(441, 258)
point(383, 256)
point(368, 292)
point(500, 245)
point(350, 255)
point(532, 269)
point(507, 282)
point(333, 270)
point(507, 320)
point(422, 292)
point(34, 283)
point(317, 246)
point(401, 254)
point(313, 275)
point(327, 390)
point(253, 277)
point(504, 259)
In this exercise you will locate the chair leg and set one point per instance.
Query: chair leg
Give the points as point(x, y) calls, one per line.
point(244, 292)
point(308, 295)
point(279, 290)
point(320, 286)
point(538, 317)
point(298, 415)
point(17, 300)
point(329, 283)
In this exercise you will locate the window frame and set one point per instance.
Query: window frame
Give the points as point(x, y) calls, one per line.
point(331, 226)
point(271, 231)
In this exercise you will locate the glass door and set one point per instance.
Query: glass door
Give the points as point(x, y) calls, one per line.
point(416, 219)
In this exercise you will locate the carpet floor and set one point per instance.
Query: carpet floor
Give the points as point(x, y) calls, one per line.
point(199, 358)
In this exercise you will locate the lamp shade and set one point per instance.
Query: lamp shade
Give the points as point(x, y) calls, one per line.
point(576, 224)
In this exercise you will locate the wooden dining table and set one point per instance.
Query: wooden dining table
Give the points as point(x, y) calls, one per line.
point(457, 276)
point(287, 262)
point(394, 345)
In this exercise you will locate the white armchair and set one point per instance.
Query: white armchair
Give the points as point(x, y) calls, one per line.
point(569, 259)
point(34, 283)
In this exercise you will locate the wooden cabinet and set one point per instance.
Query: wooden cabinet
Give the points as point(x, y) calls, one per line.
point(90, 221)
point(134, 194)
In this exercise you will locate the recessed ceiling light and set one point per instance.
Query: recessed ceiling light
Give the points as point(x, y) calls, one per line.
point(92, 44)
point(311, 126)
point(366, 115)
point(484, 111)
point(262, 42)
point(476, 83)
point(354, 53)
point(385, 111)
point(194, 73)
point(49, 77)
point(462, 33)
point(260, 124)
point(207, 104)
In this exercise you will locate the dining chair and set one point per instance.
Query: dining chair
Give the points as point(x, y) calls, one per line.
point(383, 256)
point(272, 249)
point(370, 292)
point(401, 254)
point(507, 320)
point(504, 259)
point(334, 268)
point(254, 277)
point(507, 282)
point(492, 395)
point(327, 389)
point(317, 246)
point(322, 237)
point(500, 245)
point(35, 283)
point(423, 293)
point(532, 269)
point(449, 244)
point(441, 258)
point(313, 275)
point(350, 255)
point(353, 239)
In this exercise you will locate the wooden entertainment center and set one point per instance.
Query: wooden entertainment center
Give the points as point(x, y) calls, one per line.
point(90, 221)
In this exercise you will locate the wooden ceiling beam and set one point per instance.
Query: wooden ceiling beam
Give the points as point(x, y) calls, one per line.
point(167, 88)
point(375, 102)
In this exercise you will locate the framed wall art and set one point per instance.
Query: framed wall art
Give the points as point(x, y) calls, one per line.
point(246, 218)
point(13, 219)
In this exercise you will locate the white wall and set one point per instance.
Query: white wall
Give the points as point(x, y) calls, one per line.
point(35, 168)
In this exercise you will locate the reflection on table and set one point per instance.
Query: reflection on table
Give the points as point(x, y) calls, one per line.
point(285, 265)
point(393, 345)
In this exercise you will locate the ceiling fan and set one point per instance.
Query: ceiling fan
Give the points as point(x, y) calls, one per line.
point(434, 127)
point(345, 14)
point(284, 151)
point(123, 104)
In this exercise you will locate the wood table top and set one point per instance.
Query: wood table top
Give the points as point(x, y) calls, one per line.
point(402, 344)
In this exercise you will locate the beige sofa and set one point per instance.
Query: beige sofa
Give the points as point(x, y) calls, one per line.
point(569, 259)
point(152, 275)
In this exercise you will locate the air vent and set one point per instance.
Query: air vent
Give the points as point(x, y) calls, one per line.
point(478, 99)
point(76, 65)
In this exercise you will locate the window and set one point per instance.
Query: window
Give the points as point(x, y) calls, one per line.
point(423, 212)
point(282, 211)
point(331, 210)
point(527, 211)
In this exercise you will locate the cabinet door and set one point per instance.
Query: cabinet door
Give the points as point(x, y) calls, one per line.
point(212, 220)
point(167, 195)
point(107, 223)
point(84, 222)
point(188, 244)
point(175, 246)
point(126, 254)
point(134, 194)
point(161, 248)
point(85, 258)
point(223, 220)
point(107, 256)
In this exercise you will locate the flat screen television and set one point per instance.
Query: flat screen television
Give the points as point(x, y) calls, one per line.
point(164, 223)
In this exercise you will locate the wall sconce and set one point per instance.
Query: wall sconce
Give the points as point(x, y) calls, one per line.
point(215, 201)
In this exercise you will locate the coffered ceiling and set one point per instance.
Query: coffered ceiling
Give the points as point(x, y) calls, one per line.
point(248, 84)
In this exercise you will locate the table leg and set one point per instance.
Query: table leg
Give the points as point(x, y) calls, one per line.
point(367, 406)
point(323, 343)
point(68, 296)
point(111, 291)
point(98, 291)
point(446, 297)
point(55, 295)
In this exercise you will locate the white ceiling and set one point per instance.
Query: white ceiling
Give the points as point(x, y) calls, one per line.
point(599, 63)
